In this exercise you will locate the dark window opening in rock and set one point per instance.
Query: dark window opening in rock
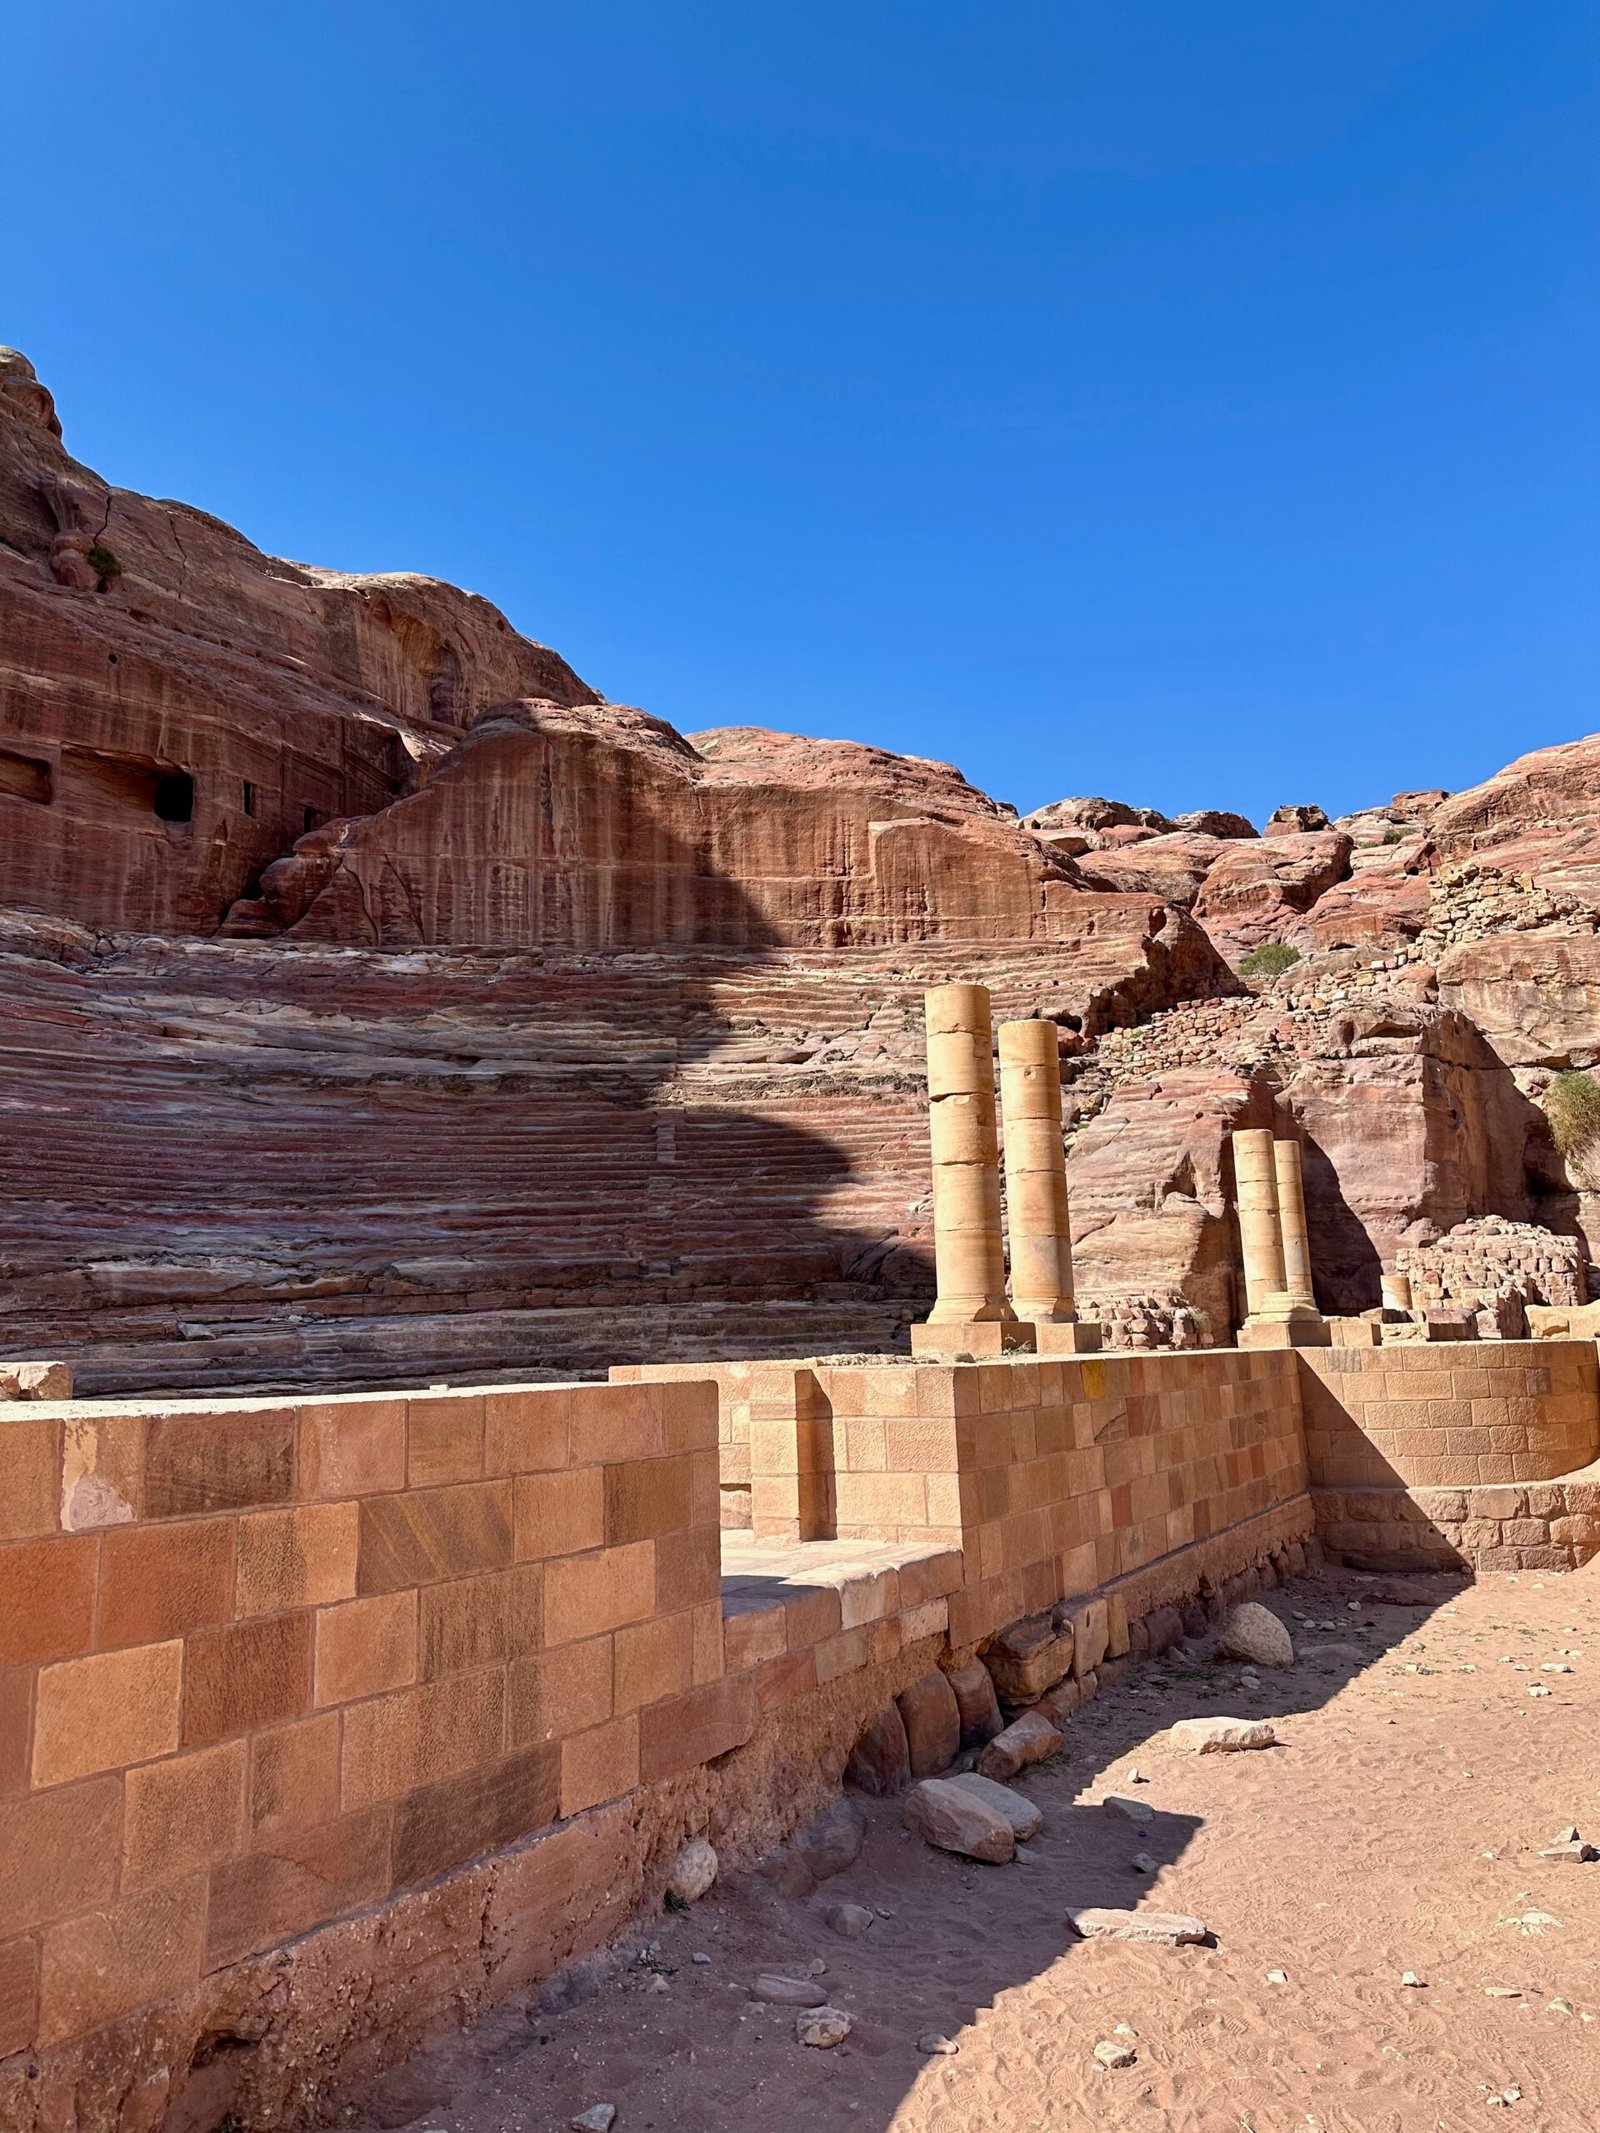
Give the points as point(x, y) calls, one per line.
point(249, 797)
point(25, 777)
point(310, 820)
point(111, 659)
point(174, 796)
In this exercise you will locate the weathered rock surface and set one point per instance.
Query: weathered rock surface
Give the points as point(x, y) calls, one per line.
point(1256, 891)
point(957, 1820)
point(692, 1872)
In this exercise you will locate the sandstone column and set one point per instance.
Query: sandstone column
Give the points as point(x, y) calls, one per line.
point(1292, 1223)
point(1036, 1188)
point(1279, 1315)
point(968, 1254)
point(1396, 1291)
point(1256, 1199)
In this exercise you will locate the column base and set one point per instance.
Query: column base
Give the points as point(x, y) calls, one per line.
point(938, 1340)
point(1286, 1325)
point(1067, 1336)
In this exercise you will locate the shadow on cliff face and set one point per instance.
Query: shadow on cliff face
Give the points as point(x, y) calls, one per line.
point(281, 1163)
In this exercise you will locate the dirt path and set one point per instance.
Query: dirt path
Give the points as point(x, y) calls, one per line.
point(1398, 1829)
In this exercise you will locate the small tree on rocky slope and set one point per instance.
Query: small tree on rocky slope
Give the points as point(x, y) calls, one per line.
point(1572, 1106)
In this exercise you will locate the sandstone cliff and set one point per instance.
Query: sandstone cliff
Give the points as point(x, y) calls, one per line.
point(377, 1001)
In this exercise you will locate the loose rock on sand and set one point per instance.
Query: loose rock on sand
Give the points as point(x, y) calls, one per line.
point(1254, 1633)
point(958, 1820)
point(1220, 1736)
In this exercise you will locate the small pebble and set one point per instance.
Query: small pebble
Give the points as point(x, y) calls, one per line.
point(597, 2119)
point(1277, 1977)
point(1111, 2052)
point(1409, 1977)
point(699, 1957)
point(937, 2046)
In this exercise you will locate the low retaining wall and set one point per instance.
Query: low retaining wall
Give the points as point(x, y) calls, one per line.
point(1477, 1455)
point(1449, 1415)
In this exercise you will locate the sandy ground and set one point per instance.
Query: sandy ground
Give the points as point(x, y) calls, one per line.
point(1396, 1829)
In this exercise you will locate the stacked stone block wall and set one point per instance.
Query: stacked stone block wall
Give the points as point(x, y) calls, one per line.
point(1470, 1455)
point(261, 1665)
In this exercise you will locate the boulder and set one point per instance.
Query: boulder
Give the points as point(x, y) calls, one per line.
point(1294, 821)
point(822, 2027)
point(849, 1920)
point(932, 1719)
point(692, 1872)
point(1028, 1739)
point(1025, 1818)
point(976, 1703)
point(948, 1815)
point(1253, 1633)
point(880, 1761)
point(1220, 1736)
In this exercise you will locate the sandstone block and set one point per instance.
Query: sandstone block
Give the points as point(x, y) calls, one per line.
point(106, 1710)
point(246, 1675)
point(427, 1534)
point(444, 1439)
point(366, 1646)
point(976, 1703)
point(602, 1764)
point(1219, 1736)
point(1025, 1818)
point(106, 1963)
point(1091, 1635)
point(1170, 1929)
point(163, 1581)
point(182, 1814)
point(301, 1557)
point(1028, 1657)
point(218, 1462)
point(352, 1447)
point(1028, 1739)
point(47, 1590)
point(956, 1820)
point(932, 1719)
point(689, 1730)
point(554, 1693)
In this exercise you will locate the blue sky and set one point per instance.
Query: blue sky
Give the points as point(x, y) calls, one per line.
point(1194, 404)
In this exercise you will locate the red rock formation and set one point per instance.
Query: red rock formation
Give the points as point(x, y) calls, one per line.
point(376, 1001)
point(176, 708)
point(1257, 891)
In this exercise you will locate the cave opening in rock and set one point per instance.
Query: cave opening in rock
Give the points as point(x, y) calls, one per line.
point(173, 799)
